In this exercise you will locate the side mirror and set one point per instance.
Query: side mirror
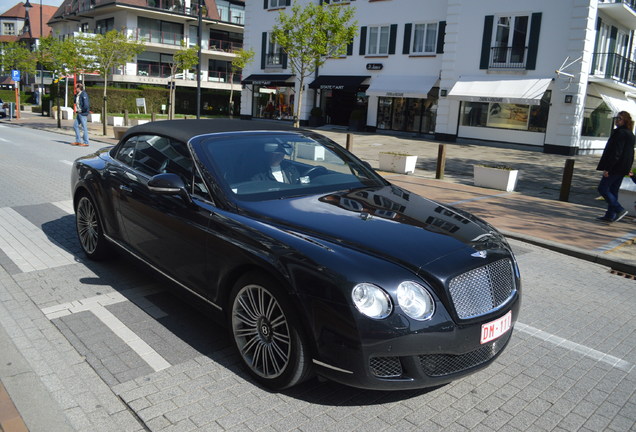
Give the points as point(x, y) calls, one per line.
point(169, 184)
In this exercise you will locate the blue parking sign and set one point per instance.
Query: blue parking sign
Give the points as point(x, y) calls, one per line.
point(15, 75)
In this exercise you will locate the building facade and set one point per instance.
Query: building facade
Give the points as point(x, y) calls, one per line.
point(163, 25)
point(542, 73)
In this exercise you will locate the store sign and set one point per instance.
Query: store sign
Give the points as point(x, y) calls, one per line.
point(332, 87)
point(490, 99)
point(395, 94)
point(264, 83)
point(374, 66)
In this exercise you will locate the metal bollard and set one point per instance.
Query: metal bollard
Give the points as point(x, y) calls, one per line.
point(441, 162)
point(153, 116)
point(566, 183)
point(349, 142)
point(126, 118)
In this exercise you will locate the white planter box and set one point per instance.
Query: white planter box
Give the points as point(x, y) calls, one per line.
point(495, 178)
point(398, 163)
point(115, 120)
point(135, 122)
point(67, 113)
point(311, 152)
point(627, 196)
point(94, 118)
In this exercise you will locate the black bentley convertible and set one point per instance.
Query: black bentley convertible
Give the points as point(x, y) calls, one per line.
point(316, 263)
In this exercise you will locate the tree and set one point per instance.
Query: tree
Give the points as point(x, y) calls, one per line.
point(16, 55)
point(309, 36)
point(62, 57)
point(183, 60)
point(242, 59)
point(107, 51)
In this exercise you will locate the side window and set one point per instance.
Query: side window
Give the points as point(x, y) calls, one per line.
point(126, 152)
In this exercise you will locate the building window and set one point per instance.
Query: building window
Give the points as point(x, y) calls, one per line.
point(104, 26)
point(8, 29)
point(597, 118)
point(154, 64)
point(277, 3)
point(378, 40)
point(163, 32)
point(510, 39)
point(274, 53)
point(531, 118)
point(229, 12)
point(424, 38)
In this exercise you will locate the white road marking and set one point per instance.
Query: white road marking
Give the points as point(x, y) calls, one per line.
point(575, 347)
point(27, 245)
point(66, 162)
point(616, 242)
point(97, 305)
point(67, 206)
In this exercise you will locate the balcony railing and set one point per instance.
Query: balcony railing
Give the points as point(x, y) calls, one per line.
point(275, 59)
point(153, 70)
point(224, 45)
point(614, 66)
point(508, 57)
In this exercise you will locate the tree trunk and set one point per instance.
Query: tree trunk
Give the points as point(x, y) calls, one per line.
point(105, 109)
point(299, 102)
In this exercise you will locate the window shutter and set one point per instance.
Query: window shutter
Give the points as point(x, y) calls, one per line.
point(263, 50)
point(265, 4)
point(533, 43)
point(283, 56)
point(596, 42)
point(363, 40)
point(485, 42)
point(350, 48)
point(392, 38)
point(441, 34)
point(406, 46)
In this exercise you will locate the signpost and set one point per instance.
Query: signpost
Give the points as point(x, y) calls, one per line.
point(15, 76)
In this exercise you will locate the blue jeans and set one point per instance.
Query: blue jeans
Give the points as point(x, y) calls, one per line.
point(608, 188)
point(81, 119)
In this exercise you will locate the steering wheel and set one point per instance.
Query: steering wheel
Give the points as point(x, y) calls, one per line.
point(316, 171)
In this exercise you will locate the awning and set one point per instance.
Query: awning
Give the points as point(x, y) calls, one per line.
point(527, 91)
point(338, 82)
point(614, 99)
point(268, 79)
point(409, 86)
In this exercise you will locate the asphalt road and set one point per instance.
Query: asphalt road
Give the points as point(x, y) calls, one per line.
point(108, 347)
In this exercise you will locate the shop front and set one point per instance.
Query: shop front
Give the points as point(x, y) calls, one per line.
point(405, 103)
point(503, 109)
point(272, 95)
point(341, 96)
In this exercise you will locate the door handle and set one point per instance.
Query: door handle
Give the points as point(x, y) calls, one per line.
point(124, 188)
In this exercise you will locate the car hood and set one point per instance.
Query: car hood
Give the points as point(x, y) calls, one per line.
point(389, 222)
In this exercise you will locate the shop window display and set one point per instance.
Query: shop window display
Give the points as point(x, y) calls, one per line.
point(597, 118)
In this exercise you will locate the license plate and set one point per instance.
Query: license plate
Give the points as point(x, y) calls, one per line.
point(492, 330)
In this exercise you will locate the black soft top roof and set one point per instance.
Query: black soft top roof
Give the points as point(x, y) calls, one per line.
point(183, 130)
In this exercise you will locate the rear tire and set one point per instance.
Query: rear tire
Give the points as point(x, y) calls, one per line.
point(267, 333)
point(90, 230)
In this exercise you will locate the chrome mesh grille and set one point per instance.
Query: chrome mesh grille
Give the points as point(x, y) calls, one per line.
point(385, 367)
point(446, 364)
point(483, 289)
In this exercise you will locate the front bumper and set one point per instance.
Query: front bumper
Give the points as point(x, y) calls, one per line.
point(418, 358)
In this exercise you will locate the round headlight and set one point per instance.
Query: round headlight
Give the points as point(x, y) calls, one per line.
point(415, 301)
point(371, 300)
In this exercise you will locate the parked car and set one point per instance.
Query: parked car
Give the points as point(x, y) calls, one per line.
point(316, 263)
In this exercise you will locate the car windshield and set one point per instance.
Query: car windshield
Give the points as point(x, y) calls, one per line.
point(256, 166)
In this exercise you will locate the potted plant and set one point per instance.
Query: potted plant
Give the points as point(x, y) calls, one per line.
point(315, 117)
point(496, 177)
point(357, 120)
point(398, 162)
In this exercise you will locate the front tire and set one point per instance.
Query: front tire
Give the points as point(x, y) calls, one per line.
point(89, 229)
point(266, 333)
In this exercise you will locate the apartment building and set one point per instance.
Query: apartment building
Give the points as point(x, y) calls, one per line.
point(163, 25)
point(543, 73)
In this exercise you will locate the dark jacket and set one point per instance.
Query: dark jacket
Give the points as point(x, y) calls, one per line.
point(84, 105)
point(618, 155)
point(289, 171)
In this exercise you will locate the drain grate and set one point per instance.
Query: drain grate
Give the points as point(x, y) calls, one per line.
point(623, 274)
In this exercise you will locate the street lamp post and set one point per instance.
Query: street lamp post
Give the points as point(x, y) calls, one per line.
point(27, 6)
point(200, 19)
point(41, 66)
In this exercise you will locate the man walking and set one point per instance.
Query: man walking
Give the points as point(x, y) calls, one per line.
point(616, 162)
point(82, 109)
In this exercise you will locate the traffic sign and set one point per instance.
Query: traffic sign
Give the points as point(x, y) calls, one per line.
point(15, 75)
